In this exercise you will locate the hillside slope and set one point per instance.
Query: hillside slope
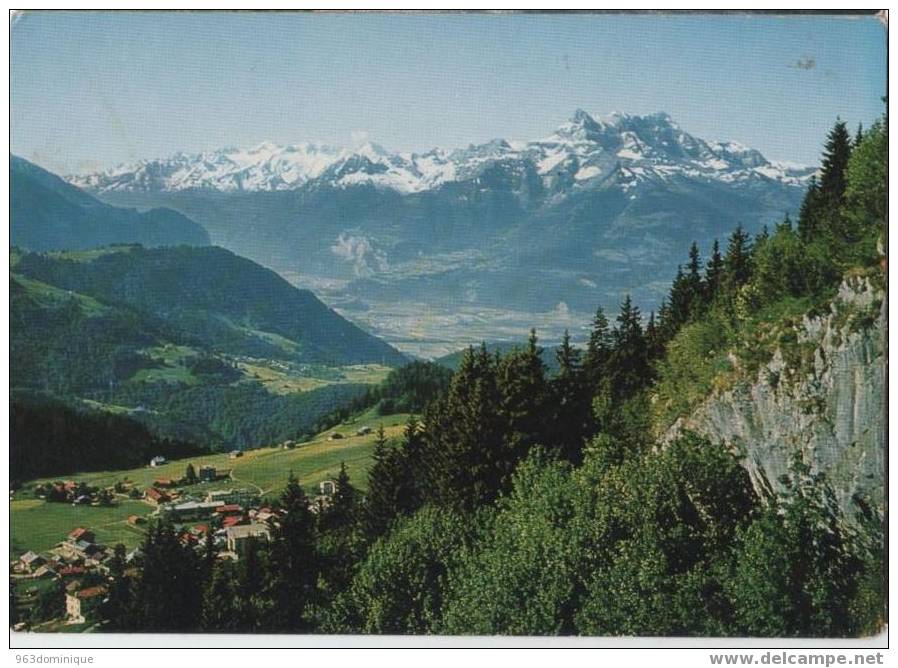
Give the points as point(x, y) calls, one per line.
point(46, 213)
point(195, 343)
point(210, 295)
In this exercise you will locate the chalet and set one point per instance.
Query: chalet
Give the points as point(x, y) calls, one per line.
point(80, 534)
point(229, 509)
point(234, 454)
point(156, 496)
point(207, 474)
point(80, 604)
point(264, 514)
point(70, 485)
point(74, 552)
point(71, 571)
point(238, 535)
point(363, 431)
point(86, 549)
point(30, 562)
point(134, 520)
point(163, 483)
point(158, 460)
point(231, 521)
point(45, 571)
point(336, 436)
point(327, 487)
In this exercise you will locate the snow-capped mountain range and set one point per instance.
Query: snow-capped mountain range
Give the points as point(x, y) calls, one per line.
point(583, 152)
point(420, 246)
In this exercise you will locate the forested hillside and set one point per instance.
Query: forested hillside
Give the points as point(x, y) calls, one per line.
point(523, 503)
point(49, 437)
point(195, 343)
point(46, 213)
point(219, 298)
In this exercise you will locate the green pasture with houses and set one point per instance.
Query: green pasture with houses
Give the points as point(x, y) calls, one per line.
point(39, 525)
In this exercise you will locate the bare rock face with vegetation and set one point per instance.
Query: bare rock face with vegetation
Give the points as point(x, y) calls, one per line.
point(820, 396)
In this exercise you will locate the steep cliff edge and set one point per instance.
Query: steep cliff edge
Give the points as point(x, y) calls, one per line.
point(821, 394)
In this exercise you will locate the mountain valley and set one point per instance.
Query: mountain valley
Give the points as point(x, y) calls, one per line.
point(519, 232)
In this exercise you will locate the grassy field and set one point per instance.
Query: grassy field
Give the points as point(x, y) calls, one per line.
point(282, 382)
point(48, 294)
point(38, 525)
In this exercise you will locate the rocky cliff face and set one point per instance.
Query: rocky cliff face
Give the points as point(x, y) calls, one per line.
point(823, 396)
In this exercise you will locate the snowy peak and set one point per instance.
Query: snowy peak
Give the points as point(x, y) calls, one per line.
point(583, 151)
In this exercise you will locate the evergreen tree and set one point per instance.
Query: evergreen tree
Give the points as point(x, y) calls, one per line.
point(808, 215)
point(116, 608)
point(836, 153)
point(343, 507)
point(410, 494)
point(785, 225)
point(190, 475)
point(654, 339)
point(293, 567)
point(382, 502)
point(679, 300)
point(251, 605)
point(168, 593)
point(465, 436)
point(598, 349)
point(866, 195)
point(737, 262)
point(714, 272)
point(210, 554)
point(629, 362)
point(220, 602)
point(523, 402)
point(571, 403)
point(340, 540)
point(694, 277)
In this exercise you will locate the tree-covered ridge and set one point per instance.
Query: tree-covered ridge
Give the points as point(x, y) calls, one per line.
point(46, 213)
point(209, 294)
point(406, 389)
point(49, 437)
point(159, 334)
point(524, 503)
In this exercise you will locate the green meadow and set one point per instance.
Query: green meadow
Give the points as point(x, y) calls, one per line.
point(38, 525)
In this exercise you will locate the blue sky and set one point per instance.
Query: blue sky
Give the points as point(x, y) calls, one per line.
point(89, 90)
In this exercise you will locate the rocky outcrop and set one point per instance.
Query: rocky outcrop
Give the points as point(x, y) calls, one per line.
point(823, 395)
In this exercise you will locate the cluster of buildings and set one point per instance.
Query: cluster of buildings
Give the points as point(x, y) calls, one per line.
point(231, 517)
point(78, 554)
point(74, 492)
point(165, 490)
point(80, 562)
